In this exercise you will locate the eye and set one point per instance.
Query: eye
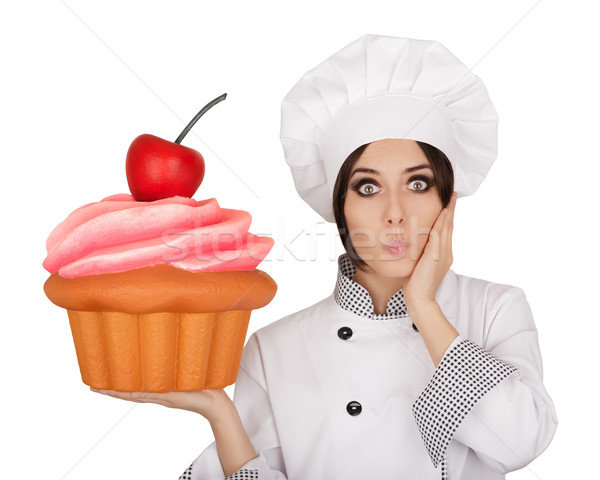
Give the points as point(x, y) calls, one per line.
point(421, 184)
point(365, 187)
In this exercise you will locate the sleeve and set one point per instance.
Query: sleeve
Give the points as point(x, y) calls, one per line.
point(254, 407)
point(491, 398)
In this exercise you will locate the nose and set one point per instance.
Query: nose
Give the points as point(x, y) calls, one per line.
point(394, 219)
point(395, 213)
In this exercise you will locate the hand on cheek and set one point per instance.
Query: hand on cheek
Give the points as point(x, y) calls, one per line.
point(435, 260)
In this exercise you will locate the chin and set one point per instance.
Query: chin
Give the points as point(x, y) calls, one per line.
point(391, 267)
point(396, 270)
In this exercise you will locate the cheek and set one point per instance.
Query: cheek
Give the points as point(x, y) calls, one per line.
point(425, 224)
point(357, 213)
point(427, 219)
point(359, 221)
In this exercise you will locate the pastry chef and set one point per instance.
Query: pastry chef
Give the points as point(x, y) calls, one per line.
point(356, 388)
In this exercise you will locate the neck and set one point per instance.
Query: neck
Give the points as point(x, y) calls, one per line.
point(380, 288)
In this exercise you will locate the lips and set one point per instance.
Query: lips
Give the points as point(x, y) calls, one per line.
point(396, 248)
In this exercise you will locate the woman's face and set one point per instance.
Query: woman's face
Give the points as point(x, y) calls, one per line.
point(396, 201)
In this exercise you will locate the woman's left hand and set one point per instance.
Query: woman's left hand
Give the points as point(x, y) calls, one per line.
point(435, 260)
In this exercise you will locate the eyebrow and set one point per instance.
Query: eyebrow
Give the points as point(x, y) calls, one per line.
point(376, 172)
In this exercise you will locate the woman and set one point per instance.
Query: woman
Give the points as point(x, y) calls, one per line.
point(407, 370)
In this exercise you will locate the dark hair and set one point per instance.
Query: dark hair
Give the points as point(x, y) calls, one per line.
point(442, 173)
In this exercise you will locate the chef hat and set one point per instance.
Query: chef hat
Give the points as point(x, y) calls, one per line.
point(380, 87)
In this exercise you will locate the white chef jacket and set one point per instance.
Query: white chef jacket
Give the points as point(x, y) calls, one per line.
point(336, 391)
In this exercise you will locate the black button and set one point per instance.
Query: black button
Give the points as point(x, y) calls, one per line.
point(354, 408)
point(415, 328)
point(345, 333)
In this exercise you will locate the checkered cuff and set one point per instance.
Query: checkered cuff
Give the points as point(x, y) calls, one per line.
point(244, 474)
point(465, 374)
point(187, 475)
point(249, 471)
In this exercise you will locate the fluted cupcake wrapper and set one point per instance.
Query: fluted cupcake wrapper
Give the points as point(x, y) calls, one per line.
point(159, 352)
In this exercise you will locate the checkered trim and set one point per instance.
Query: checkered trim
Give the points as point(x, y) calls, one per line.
point(187, 475)
point(355, 298)
point(464, 375)
point(242, 474)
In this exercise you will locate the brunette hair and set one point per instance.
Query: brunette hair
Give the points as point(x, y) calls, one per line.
point(442, 174)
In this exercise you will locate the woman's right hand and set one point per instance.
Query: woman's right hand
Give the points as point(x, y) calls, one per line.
point(233, 445)
point(208, 403)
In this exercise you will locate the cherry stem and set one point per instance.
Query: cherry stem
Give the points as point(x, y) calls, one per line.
point(206, 108)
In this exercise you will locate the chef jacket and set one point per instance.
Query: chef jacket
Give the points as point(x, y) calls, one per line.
point(336, 391)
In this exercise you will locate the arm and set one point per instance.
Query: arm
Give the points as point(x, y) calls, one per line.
point(435, 329)
point(232, 442)
point(420, 290)
point(491, 397)
point(237, 425)
point(255, 415)
point(233, 445)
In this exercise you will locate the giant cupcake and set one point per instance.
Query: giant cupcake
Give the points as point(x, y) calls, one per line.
point(158, 286)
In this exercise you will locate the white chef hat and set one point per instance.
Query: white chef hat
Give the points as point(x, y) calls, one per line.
point(380, 87)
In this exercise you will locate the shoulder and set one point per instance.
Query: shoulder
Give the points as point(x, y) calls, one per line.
point(475, 288)
point(484, 310)
point(474, 303)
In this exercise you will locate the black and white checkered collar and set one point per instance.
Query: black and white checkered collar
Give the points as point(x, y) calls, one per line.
point(355, 298)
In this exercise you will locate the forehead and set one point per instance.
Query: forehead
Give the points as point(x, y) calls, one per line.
point(392, 153)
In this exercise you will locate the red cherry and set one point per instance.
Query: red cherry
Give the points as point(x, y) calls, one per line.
point(157, 168)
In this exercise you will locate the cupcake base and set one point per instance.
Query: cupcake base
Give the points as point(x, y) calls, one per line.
point(159, 352)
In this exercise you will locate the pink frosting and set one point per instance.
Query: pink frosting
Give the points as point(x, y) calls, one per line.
point(119, 234)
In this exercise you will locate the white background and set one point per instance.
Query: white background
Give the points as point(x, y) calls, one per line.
point(81, 81)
